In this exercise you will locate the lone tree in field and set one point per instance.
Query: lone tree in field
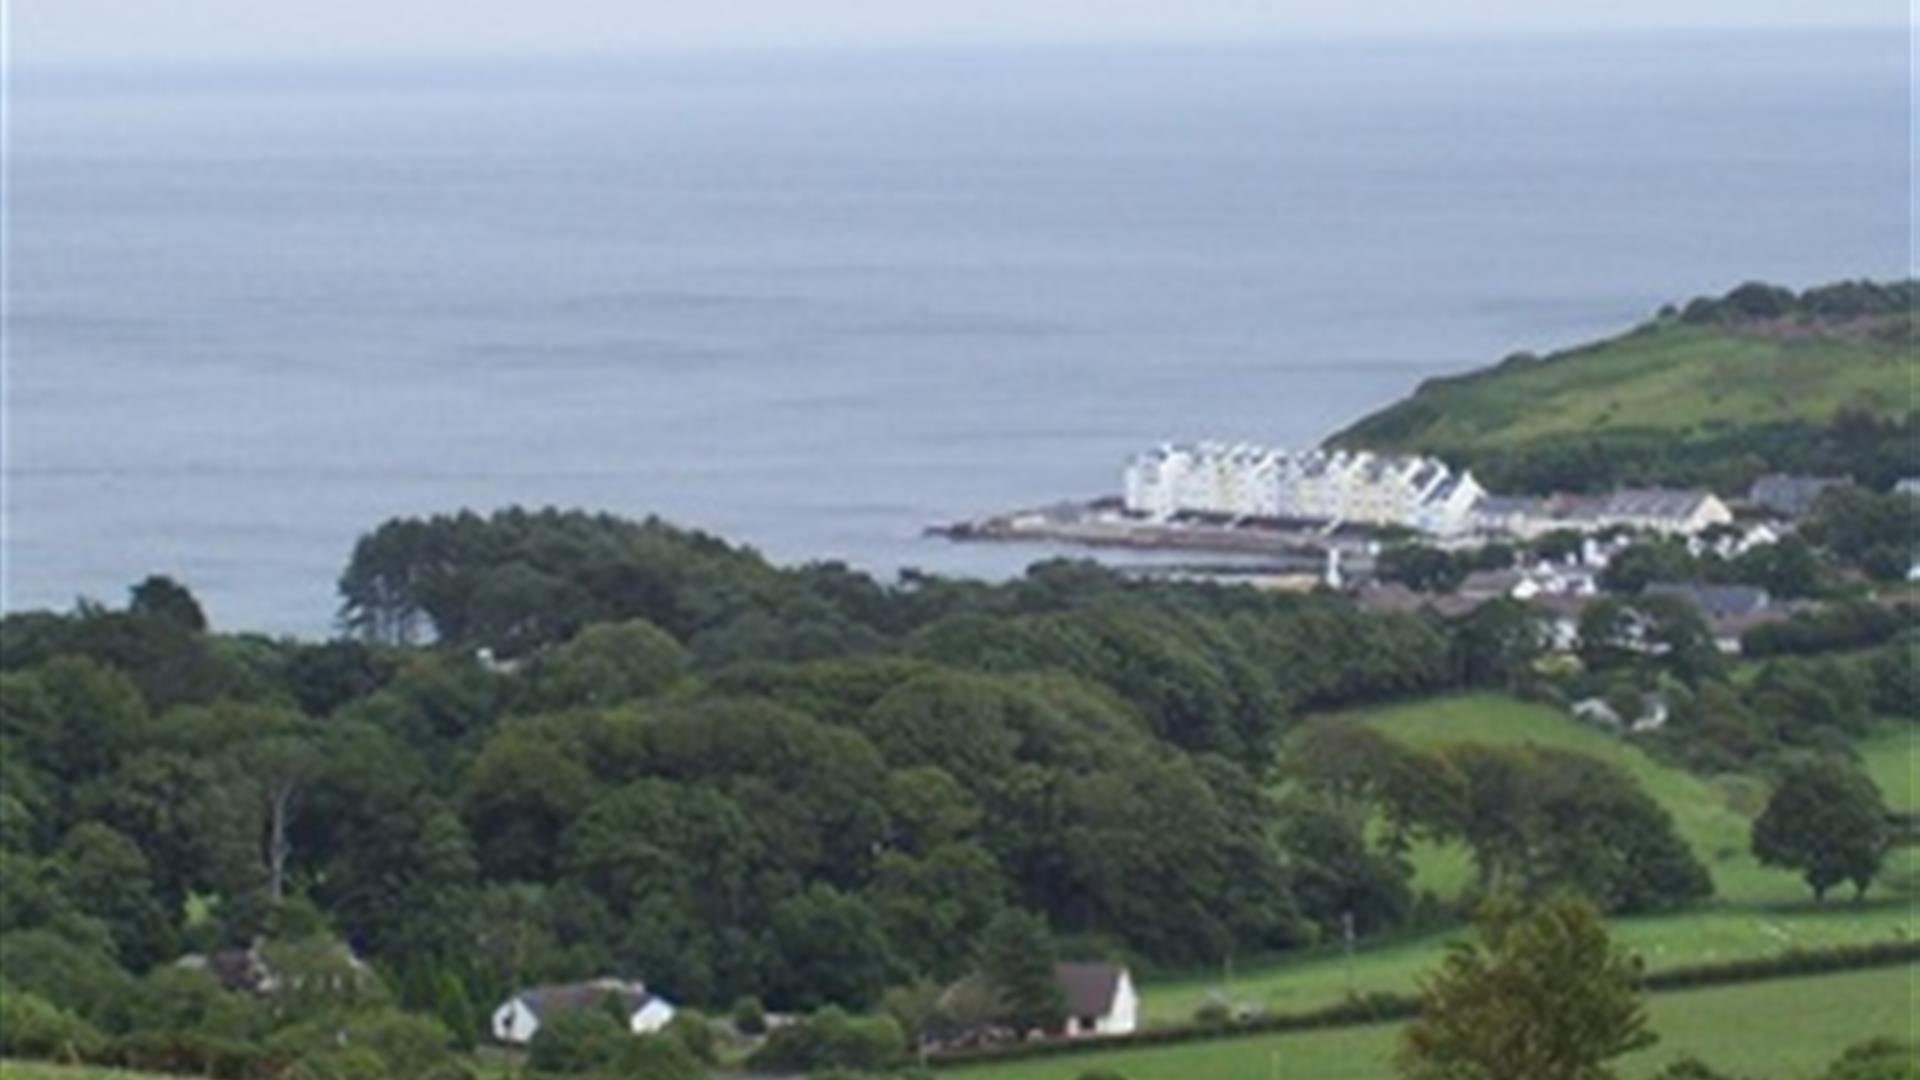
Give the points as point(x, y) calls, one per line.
point(1543, 995)
point(1825, 820)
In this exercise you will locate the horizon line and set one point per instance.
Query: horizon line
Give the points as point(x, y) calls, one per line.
point(22, 60)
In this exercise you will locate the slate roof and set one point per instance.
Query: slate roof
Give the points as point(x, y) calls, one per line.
point(1715, 601)
point(543, 1000)
point(1089, 988)
point(1793, 496)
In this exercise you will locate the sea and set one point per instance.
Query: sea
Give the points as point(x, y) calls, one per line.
point(818, 301)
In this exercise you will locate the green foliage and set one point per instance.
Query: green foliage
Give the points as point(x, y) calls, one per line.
point(163, 598)
point(1542, 995)
point(1540, 820)
point(1877, 1059)
point(605, 664)
point(576, 1041)
point(33, 1027)
point(1422, 568)
point(749, 1016)
point(1017, 958)
point(668, 1056)
point(1825, 819)
point(832, 949)
point(832, 1039)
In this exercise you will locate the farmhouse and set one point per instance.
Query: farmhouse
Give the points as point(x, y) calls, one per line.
point(1100, 999)
point(519, 1017)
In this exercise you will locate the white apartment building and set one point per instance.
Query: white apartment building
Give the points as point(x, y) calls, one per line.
point(1357, 487)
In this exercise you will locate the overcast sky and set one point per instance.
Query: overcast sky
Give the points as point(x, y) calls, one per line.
point(95, 30)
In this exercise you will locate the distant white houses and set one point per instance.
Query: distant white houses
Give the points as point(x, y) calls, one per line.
point(1100, 999)
point(1248, 481)
point(520, 1016)
point(1659, 510)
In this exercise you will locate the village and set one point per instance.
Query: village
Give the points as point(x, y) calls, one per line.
point(1354, 521)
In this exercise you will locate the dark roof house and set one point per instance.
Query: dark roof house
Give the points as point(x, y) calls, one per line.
point(1791, 496)
point(1716, 601)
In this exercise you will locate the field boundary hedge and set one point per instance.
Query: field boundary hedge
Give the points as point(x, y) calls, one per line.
point(1379, 1008)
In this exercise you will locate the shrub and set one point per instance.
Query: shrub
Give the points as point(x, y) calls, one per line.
point(831, 1038)
point(749, 1016)
point(691, 1029)
point(1214, 1013)
point(1877, 1059)
point(33, 1027)
point(576, 1041)
point(656, 1057)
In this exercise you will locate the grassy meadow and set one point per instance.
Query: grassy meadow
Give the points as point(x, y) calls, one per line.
point(1756, 910)
point(1781, 1029)
point(1892, 757)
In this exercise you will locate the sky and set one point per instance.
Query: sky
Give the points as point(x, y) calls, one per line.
point(92, 31)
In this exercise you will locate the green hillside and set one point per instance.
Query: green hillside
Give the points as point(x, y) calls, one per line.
point(1757, 910)
point(1714, 393)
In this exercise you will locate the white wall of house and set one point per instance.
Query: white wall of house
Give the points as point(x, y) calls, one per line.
point(514, 1023)
point(1124, 1017)
point(651, 1017)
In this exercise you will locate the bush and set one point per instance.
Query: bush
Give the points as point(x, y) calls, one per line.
point(1877, 1059)
point(831, 1038)
point(1214, 1013)
point(33, 1027)
point(410, 1044)
point(192, 1053)
point(749, 1016)
point(656, 1057)
point(692, 1030)
point(576, 1041)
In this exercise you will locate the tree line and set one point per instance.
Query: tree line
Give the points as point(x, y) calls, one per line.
point(558, 745)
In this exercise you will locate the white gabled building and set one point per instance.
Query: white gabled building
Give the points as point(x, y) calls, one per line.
point(1100, 999)
point(1249, 481)
point(520, 1016)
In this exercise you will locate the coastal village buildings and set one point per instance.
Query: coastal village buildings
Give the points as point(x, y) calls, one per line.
point(1791, 496)
point(1247, 481)
point(1658, 510)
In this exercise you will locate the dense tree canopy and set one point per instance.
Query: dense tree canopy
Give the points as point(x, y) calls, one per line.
point(558, 746)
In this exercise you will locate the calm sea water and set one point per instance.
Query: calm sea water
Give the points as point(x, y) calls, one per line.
point(817, 302)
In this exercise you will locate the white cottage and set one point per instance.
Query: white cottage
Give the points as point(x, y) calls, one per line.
point(519, 1017)
point(1100, 999)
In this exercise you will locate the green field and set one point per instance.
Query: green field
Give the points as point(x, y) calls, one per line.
point(1756, 911)
point(1780, 1029)
point(1892, 758)
point(1669, 377)
point(39, 1071)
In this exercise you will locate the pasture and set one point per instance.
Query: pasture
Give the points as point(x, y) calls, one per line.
point(1780, 1029)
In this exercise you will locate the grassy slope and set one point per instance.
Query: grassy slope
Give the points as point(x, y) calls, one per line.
point(1775, 1030)
point(1664, 377)
point(1892, 758)
point(1757, 910)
